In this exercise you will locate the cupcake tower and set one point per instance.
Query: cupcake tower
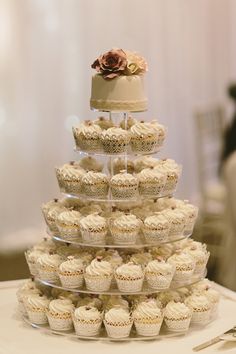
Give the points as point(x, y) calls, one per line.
point(118, 262)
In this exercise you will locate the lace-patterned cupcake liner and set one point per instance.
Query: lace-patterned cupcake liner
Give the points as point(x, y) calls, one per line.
point(60, 322)
point(183, 274)
point(151, 189)
point(37, 316)
point(129, 284)
point(98, 190)
point(98, 282)
point(146, 144)
point(87, 328)
point(88, 142)
point(127, 237)
point(148, 326)
point(32, 266)
point(118, 329)
point(71, 280)
point(94, 237)
point(157, 281)
point(201, 315)
point(124, 192)
point(69, 232)
point(115, 145)
point(177, 324)
point(48, 274)
point(154, 235)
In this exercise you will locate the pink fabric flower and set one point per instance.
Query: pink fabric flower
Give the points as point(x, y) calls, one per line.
point(111, 64)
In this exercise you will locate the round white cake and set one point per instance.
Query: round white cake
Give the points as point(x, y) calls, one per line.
point(123, 93)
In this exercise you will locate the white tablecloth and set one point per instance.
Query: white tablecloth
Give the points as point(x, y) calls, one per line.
point(17, 337)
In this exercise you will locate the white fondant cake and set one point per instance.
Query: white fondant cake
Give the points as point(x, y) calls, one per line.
point(123, 93)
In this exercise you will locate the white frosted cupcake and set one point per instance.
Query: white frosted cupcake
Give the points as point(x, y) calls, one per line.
point(51, 215)
point(91, 208)
point(31, 258)
point(164, 297)
point(69, 178)
point(47, 245)
point(93, 229)
point(28, 288)
point(200, 257)
point(129, 277)
point(87, 136)
point(191, 212)
point(59, 314)
point(68, 224)
point(116, 301)
point(95, 184)
point(177, 220)
point(115, 140)
point(125, 229)
point(159, 274)
point(90, 301)
point(201, 307)
point(124, 186)
point(184, 266)
point(104, 123)
point(87, 321)
point(47, 266)
point(177, 316)
point(144, 162)
point(214, 297)
point(141, 258)
point(151, 182)
point(147, 318)
point(89, 163)
point(98, 275)
point(145, 137)
point(156, 228)
point(118, 322)
point(120, 164)
point(172, 171)
point(71, 273)
point(36, 307)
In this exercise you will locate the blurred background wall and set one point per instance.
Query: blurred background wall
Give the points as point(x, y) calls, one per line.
point(46, 49)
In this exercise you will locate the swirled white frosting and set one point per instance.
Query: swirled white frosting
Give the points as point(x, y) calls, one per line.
point(147, 309)
point(117, 301)
point(33, 255)
point(124, 178)
point(144, 162)
point(61, 306)
point(92, 221)
point(104, 123)
point(181, 258)
point(148, 174)
point(197, 301)
point(94, 177)
point(157, 220)
point(47, 245)
point(143, 129)
point(127, 222)
point(70, 217)
point(99, 267)
point(115, 133)
point(164, 251)
point(71, 172)
point(50, 260)
point(91, 209)
point(51, 204)
point(212, 295)
point(89, 129)
point(167, 296)
point(86, 257)
point(130, 270)
point(160, 267)
point(197, 254)
point(55, 211)
point(176, 310)
point(35, 300)
point(23, 293)
point(168, 165)
point(189, 209)
point(141, 258)
point(87, 313)
point(90, 301)
point(174, 215)
point(69, 250)
point(72, 265)
point(117, 315)
point(201, 285)
point(89, 163)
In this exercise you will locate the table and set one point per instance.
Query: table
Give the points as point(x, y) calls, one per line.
point(17, 337)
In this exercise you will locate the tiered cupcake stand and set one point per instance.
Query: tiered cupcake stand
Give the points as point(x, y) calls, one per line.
point(140, 244)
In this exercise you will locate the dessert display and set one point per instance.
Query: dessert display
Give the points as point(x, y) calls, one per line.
point(118, 262)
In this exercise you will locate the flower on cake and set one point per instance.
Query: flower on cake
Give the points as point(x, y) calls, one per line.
point(118, 62)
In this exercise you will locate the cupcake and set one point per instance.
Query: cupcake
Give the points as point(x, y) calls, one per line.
point(89, 163)
point(120, 164)
point(156, 228)
point(47, 245)
point(172, 171)
point(47, 266)
point(144, 162)
point(146, 137)
point(214, 297)
point(87, 321)
point(164, 251)
point(147, 318)
point(191, 212)
point(91, 301)
point(127, 123)
point(177, 316)
point(124, 186)
point(91, 209)
point(159, 274)
point(118, 322)
point(51, 215)
point(71, 273)
point(164, 297)
point(95, 184)
point(93, 229)
point(104, 123)
point(69, 178)
point(36, 307)
point(98, 275)
point(151, 182)
point(184, 266)
point(31, 259)
point(87, 136)
point(141, 258)
point(129, 277)
point(125, 229)
point(177, 220)
point(59, 314)
point(68, 224)
point(116, 301)
point(115, 140)
point(28, 288)
point(200, 306)
point(200, 257)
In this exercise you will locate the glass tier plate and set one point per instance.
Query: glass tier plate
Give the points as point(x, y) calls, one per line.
point(164, 333)
point(109, 198)
point(114, 291)
point(140, 242)
point(127, 153)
